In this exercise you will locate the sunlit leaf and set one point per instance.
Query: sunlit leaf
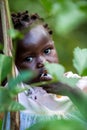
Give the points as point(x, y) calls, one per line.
point(5, 66)
point(56, 70)
point(80, 60)
point(78, 97)
point(58, 125)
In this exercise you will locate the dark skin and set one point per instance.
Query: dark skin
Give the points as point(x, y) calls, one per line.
point(34, 50)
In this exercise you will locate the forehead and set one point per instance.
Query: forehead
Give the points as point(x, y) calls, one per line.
point(36, 36)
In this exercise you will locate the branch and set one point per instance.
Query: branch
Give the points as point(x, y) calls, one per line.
point(6, 24)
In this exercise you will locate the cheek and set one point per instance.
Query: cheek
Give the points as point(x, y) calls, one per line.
point(53, 58)
point(25, 66)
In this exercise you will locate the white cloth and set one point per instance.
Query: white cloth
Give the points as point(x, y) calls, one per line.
point(82, 82)
point(41, 106)
point(38, 101)
point(41, 103)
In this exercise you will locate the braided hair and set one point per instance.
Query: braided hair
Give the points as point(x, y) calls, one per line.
point(23, 20)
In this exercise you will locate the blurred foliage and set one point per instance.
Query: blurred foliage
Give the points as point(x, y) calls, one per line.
point(59, 125)
point(5, 66)
point(57, 74)
point(79, 98)
point(8, 93)
point(80, 61)
point(0, 124)
point(68, 19)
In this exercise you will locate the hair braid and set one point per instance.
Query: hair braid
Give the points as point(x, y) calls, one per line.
point(24, 19)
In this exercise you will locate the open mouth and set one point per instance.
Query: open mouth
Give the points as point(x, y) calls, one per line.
point(42, 76)
point(45, 76)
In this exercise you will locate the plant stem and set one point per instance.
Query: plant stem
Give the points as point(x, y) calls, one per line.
point(4, 121)
point(6, 24)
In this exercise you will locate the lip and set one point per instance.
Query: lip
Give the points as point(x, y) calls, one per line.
point(45, 77)
point(42, 76)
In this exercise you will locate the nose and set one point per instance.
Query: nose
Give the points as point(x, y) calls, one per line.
point(40, 62)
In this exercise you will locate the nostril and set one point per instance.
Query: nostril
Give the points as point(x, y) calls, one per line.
point(40, 65)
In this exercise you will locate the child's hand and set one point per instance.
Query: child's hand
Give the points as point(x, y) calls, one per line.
point(57, 88)
point(61, 89)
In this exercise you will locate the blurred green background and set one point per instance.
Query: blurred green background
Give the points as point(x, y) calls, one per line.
point(68, 20)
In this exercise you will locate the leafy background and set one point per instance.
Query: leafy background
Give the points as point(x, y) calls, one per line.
point(68, 20)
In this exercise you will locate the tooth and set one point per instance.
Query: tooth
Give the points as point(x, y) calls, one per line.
point(46, 77)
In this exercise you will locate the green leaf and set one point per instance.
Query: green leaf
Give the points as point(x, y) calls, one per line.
point(6, 101)
point(16, 90)
point(4, 95)
point(15, 106)
point(84, 72)
point(0, 124)
point(69, 81)
point(11, 106)
point(22, 77)
point(5, 66)
point(56, 70)
point(83, 6)
point(58, 125)
point(80, 60)
point(47, 4)
point(68, 17)
point(79, 98)
point(15, 34)
point(1, 47)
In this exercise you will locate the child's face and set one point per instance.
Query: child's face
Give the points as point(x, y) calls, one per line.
point(34, 50)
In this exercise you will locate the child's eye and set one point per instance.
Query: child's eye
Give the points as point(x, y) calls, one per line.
point(47, 51)
point(28, 59)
